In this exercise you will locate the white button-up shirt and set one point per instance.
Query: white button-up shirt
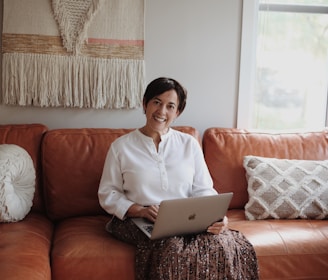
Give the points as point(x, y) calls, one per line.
point(135, 172)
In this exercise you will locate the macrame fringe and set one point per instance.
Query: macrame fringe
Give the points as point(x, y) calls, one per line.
point(71, 81)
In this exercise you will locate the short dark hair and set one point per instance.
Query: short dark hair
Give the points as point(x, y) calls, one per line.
point(161, 85)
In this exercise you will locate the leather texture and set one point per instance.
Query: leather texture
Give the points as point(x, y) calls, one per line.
point(64, 236)
point(25, 246)
point(225, 148)
point(82, 249)
point(72, 163)
point(29, 137)
point(286, 249)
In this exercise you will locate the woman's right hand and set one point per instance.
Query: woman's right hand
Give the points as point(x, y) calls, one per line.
point(150, 212)
point(147, 212)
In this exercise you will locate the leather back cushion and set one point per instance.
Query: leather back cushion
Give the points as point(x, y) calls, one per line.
point(225, 148)
point(29, 137)
point(73, 161)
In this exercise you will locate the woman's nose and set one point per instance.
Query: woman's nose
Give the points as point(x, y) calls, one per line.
point(162, 109)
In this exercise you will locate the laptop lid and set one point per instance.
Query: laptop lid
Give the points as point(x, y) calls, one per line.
point(186, 215)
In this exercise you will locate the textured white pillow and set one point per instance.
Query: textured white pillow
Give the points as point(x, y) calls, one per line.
point(286, 189)
point(17, 183)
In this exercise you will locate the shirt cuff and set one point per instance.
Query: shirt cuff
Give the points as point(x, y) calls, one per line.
point(123, 208)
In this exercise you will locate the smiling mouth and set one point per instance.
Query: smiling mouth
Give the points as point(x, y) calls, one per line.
point(159, 119)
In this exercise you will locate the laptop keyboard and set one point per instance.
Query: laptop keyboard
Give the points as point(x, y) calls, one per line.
point(148, 228)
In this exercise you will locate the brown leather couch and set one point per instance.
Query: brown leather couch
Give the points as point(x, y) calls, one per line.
point(63, 237)
point(286, 249)
point(25, 246)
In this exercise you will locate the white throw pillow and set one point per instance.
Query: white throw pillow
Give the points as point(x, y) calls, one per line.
point(286, 189)
point(17, 183)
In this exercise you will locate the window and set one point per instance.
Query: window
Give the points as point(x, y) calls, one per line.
point(284, 64)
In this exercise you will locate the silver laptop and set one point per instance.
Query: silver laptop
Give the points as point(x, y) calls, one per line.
point(186, 215)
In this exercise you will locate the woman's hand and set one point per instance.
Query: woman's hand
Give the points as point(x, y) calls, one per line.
point(147, 212)
point(217, 227)
point(150, 212)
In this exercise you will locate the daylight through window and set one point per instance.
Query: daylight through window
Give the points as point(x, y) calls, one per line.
point(291, 76)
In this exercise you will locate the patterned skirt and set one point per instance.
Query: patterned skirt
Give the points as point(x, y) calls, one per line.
point(228, 255)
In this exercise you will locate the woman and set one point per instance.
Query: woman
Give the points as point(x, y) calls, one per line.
point(154, 163)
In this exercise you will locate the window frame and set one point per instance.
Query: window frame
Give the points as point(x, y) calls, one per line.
point(247, 68)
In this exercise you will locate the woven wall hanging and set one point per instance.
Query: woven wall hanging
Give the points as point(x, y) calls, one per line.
point(73, 53)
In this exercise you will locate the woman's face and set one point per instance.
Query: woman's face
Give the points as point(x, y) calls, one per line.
point(161, 111)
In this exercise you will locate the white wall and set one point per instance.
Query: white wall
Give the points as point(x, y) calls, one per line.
point(195, 42)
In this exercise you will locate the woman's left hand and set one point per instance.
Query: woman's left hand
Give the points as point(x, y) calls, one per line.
point(217, 227)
